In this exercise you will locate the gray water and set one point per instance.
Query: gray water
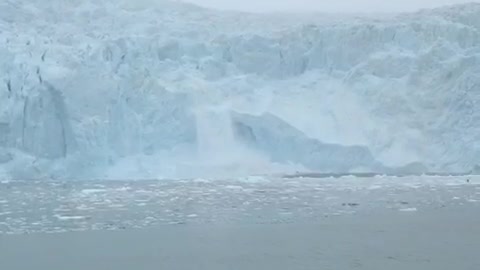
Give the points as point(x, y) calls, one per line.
point(345, 223)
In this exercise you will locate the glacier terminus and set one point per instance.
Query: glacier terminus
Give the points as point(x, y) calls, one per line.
point(160, 89)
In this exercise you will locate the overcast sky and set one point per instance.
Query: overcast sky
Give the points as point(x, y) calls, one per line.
point(326, 5)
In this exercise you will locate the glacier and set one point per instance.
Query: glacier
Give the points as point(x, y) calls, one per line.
point(160, 89)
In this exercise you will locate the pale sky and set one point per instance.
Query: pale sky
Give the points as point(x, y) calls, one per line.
point(326, 5)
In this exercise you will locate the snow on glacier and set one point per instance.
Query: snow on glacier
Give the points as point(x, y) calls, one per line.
point(158, 89)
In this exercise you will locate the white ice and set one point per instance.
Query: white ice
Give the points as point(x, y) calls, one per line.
point(159, 89)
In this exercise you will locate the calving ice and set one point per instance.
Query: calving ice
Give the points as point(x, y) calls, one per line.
point(169, 89)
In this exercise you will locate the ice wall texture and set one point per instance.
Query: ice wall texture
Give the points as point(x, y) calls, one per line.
point(148, 89)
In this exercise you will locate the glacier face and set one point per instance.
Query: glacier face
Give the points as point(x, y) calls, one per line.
point(153, 89)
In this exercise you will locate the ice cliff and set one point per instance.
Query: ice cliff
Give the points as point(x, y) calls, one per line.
point(152, 89)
